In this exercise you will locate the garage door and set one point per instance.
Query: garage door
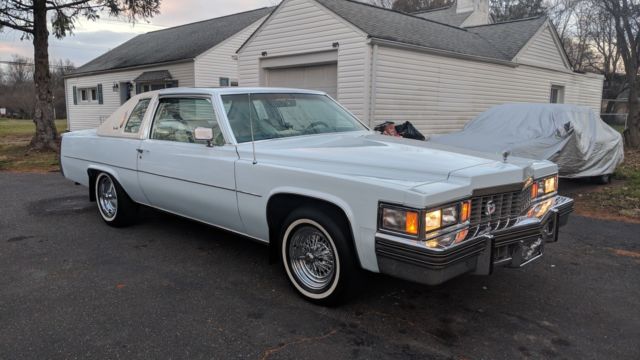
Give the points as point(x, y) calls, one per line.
point(318, 77)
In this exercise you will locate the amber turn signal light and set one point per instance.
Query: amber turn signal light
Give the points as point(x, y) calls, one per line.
point(465, 211)
point(411, 225)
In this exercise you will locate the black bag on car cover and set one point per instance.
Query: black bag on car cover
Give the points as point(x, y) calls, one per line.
point(407, 130)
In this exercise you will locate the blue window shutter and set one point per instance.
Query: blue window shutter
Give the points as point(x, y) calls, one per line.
point(100, 99)
point(75, 95)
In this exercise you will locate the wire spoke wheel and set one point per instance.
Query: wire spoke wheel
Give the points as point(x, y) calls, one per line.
point(312, 258)
point(107, 197)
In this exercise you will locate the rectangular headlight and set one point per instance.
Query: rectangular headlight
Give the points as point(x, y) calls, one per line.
point(441, 218)
point(550, 184)
point(433, 220)
point(544, 186)
point(400, 220)
point(444, 225)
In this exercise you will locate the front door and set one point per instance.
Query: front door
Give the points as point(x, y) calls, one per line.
point(184, 176)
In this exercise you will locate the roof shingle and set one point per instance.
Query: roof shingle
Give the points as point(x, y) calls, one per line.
point(174, 44)
point(446, 15)
point(510, 37)
point(485, 41)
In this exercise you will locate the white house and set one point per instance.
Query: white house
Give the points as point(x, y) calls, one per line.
point(436, 69)
point(201, 54)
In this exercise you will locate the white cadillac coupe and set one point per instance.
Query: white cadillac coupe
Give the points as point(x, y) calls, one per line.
point(295, 170)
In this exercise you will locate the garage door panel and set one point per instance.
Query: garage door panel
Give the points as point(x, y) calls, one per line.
point(319, 77)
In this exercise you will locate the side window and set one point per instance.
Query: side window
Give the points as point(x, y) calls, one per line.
point(135, 119)
point(177, 118)
point(557, 94)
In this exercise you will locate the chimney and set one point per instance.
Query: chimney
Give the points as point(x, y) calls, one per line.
point(479, 11)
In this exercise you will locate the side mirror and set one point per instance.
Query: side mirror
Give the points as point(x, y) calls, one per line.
point(204, 134)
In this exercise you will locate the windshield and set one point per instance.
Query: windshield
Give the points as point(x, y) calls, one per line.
point(284, 115)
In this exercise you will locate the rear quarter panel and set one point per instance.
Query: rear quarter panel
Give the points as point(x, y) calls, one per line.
point(84, 150)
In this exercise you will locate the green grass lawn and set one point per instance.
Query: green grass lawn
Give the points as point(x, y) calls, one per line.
point(15, 136)
point(619, 199)
point(628, 194)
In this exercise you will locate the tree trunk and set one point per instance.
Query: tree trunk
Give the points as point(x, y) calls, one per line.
point(46, 135)
point(633, 121)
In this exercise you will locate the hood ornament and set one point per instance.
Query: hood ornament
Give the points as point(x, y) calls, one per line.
point(505, 155)
point(490, 208)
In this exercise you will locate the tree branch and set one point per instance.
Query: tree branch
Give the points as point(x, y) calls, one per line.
point(54, 6)
point(16, 27)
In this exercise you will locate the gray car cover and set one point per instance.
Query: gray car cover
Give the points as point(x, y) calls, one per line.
point(573, 137)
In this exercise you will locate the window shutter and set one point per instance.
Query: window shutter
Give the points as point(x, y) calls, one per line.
point(100, 100)
point(75, 95)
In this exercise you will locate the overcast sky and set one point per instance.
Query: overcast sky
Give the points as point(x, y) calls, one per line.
point(92, 39)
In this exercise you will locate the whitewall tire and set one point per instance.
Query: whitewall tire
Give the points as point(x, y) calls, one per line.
point(317, 257)
point(114, 205)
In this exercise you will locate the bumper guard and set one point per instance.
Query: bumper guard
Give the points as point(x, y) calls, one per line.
point(515, 247)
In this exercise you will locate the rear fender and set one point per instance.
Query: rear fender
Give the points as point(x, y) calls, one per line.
point(92, 172)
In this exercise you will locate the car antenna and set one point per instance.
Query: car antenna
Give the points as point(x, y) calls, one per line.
point(253, 142)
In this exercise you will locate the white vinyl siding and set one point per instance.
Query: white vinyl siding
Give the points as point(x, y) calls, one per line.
point(542, 51)
point(440, 94)
point(88, 116)
point(218, 62)
point(304, 26)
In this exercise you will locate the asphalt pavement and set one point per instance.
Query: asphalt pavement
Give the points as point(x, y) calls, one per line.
point(168, 288)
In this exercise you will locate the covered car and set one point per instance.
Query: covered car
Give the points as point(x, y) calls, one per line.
point(573, 137)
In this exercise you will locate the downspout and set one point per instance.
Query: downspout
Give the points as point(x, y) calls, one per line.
point(372, 82)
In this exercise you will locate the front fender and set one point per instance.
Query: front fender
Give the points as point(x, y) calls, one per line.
point(364, 249)
point(290, 190)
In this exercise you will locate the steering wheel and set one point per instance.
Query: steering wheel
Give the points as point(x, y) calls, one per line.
point(317, 123)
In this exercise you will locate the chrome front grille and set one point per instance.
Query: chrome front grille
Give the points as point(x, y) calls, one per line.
point(508, 207)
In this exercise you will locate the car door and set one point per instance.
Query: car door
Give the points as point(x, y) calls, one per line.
point(182, 175)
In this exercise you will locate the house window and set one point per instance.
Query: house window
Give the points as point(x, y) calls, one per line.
point(226, 82)
point(152, 86)
point(88, 95)
point(557, 94)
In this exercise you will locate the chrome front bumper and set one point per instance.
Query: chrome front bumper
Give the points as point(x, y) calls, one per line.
point(515, 246)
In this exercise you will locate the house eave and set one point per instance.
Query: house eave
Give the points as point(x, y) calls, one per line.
point(424, 49)
point(144, 66)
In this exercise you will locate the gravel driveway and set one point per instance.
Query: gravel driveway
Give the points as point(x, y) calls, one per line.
point(71, 287)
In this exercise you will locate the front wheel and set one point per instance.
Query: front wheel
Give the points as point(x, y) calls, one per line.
point(317, 256)
point(114, 205)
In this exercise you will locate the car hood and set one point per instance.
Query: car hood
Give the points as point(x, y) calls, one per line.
point(403, 162)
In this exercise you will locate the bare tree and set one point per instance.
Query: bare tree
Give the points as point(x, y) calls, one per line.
point(505, 10)
point(20, 70)
point(19, 84)
point(626, 19)
point(59, 69)
point(573, 19)
point(17, 92)
point(410, 6)
point(608, 62)
point(31, 17)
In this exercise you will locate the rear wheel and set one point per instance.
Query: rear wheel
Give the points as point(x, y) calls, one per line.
point(602, 179)
point(317, 257)
point(114, 205)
